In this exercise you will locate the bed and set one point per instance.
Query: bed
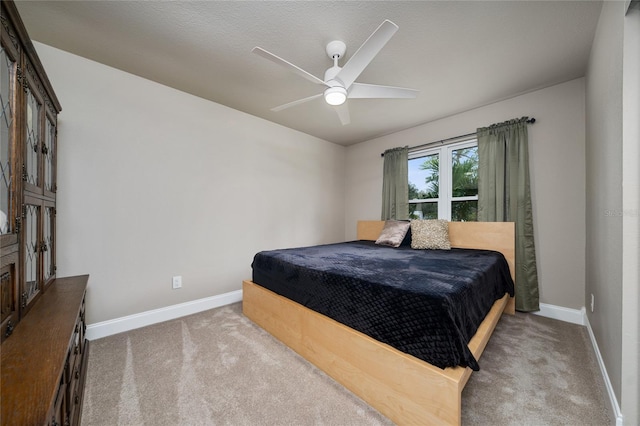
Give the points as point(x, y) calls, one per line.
point(403, 387)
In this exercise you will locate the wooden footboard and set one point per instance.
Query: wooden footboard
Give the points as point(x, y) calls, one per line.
point(405, 389)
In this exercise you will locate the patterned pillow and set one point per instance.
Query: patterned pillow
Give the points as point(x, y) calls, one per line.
point(393, 233)
point(430, 234)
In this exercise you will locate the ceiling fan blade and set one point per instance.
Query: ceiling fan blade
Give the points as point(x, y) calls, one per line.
point(343, 113)
point(362, 91)
point(294, 103)
point(278, 60)
point(365, 54)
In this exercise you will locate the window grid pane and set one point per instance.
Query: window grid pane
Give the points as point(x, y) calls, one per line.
point(464, 211)
point(450, 192)
point(424, 177)
point(426, 210)
point(464, 172)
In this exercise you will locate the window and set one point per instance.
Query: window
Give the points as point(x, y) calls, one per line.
point(448, 192)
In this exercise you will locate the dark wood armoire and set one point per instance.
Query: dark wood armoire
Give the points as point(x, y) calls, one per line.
point(42, 317)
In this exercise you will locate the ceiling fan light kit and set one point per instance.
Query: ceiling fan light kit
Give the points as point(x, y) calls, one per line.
point(340, 81)
point(335, 95)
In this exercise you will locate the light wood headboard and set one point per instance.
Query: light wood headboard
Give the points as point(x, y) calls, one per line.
point(498, 236)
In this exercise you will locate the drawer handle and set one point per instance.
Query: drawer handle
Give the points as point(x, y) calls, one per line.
point(77, 374)
point(76, 350)
point(76, 399)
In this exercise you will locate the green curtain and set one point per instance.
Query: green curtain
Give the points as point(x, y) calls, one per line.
point(395, 184)
point(504, 195)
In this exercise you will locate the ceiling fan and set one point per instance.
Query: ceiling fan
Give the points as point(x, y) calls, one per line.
point(339, 82)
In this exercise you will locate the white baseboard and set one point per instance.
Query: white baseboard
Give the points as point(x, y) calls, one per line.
point(131, 322)
point(574, 316)
point(612, 396)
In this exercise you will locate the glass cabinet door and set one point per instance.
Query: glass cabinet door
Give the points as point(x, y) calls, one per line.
point(32, 148)
point(31, 254)
point(49, 157)
point(39, 151)
point(38, 253)
point(7, 160)
point(48, 244)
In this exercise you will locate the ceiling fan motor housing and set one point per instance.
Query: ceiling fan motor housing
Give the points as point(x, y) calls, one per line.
point(336, 94)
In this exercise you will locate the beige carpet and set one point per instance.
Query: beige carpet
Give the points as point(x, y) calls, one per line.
point(218, 368)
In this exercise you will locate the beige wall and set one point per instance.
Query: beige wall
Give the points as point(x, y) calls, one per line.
point(557, 155)
point(604, 188)
point(154, 182)
point(613, 198)
point(631, 221)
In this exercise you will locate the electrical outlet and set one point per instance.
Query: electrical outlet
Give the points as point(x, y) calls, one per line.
point(592, 301)
point(176, 281)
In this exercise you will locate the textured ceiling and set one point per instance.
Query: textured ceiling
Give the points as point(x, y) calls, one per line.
point(460, 55)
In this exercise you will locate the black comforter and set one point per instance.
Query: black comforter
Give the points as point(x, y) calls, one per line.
point(427, 303)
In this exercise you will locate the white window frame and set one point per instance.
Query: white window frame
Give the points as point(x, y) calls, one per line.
point(445, 196)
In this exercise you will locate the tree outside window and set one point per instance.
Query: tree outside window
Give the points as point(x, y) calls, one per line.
point(450, 193)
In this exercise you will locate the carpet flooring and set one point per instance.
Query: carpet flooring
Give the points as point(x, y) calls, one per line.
point(218, 368)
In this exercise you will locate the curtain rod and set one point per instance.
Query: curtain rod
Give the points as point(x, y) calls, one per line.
point(529, 121)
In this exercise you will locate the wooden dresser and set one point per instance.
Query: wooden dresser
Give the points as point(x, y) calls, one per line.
point(44, 361)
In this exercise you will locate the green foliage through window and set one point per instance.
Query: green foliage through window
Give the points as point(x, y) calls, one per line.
point(424, 184)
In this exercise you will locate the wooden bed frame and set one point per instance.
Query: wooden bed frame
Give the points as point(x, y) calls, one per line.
point(405, 389)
